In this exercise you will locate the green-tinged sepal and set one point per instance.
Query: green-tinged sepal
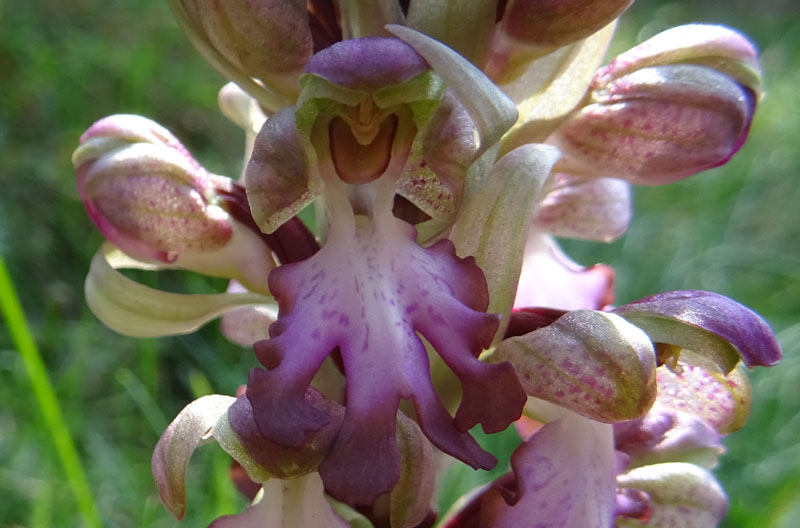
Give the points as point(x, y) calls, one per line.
point(548, 88)
point(465, 27)
point(491, 110)
point(367, 18)
point(191, 428)
point(493, 225)
point(137, 310)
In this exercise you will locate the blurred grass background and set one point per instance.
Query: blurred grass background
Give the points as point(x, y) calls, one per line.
point(63, 65)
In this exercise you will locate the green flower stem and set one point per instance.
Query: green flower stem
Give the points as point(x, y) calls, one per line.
point(45, 396)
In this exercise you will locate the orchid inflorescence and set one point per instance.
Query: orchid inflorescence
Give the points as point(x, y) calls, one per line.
point(441, 146)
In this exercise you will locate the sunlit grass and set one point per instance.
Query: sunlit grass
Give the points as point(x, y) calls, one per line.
point(54, 429)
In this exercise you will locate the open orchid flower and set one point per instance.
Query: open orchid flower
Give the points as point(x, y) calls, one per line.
point(442, 146)
point(356, 139)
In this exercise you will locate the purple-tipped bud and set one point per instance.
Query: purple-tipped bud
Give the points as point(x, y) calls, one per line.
point(679, 103)
point(145, 192)
point(658, 125)
point(555, 23)
point(269, 40)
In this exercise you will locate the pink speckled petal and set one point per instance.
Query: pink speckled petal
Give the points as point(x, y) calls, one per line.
point(594, 363)
point(699, 388)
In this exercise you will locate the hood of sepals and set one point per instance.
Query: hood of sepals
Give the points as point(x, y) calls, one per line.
point(371, 289)
point(356, 123)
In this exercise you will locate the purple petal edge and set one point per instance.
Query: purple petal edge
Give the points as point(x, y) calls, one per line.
point(367, 64)
point(724, 317)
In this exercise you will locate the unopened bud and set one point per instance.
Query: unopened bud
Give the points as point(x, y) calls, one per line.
point(658, 125)
point(269, 40)
point(590, 362)
point(716, 47)
point(679, 493)
point(153, 200)
point(145, 192)
point(555, 23)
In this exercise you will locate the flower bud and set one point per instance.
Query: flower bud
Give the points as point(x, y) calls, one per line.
point(592, 363)
point(715, 47)
point(658, 125)
point(268, 40)
point(680, 494)
point(145, 192)
point(153, 200)
point(558, 22)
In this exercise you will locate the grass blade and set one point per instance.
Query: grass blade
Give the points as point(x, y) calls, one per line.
point(21, 336)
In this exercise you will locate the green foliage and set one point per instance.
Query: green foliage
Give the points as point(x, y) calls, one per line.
point(66, 64)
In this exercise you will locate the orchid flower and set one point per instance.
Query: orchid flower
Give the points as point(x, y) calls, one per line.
point(441, 146)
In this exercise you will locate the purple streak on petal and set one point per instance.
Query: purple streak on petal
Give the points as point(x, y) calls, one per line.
point(565, 474)
point(724, 317)
point(752, 99)
point(367, 64)
point(369, 295)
